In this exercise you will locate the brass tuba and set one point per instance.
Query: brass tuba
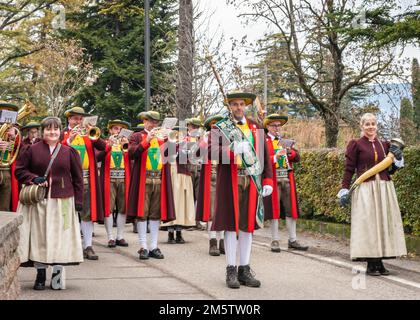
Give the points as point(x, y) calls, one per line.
point(8, 156)
point(381, 166)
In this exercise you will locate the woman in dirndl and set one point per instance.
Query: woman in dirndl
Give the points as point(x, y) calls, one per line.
point(376, 225)
point(50, 232)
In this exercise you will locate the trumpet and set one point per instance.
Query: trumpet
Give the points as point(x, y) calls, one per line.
point(163, 133)
point(116, 140)
point(93, 133)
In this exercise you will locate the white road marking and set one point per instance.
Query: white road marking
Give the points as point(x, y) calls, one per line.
point(340, 264)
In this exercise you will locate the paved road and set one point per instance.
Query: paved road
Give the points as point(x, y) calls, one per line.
point(188, 272)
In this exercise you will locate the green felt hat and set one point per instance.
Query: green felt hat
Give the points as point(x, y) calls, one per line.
point(194, 121)
point(210, 121)
point(4, 105)
point(30, 125)
point(152, 115)
point(117, 122)
point(249, 98)
point(75, 111)
point(275, 117)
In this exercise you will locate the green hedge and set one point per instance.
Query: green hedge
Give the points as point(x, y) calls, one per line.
point(318, 179)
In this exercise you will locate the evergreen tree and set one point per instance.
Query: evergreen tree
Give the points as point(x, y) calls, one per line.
point(407, 126)
point(415, 85)
point(112, 32)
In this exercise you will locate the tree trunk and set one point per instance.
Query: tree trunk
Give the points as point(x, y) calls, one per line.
point(184, 88)
point(331, 130)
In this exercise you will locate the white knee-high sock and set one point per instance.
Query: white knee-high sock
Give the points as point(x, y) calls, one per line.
point(212, 234)
point(245, 245)
point(87, 230)
point(154, 233)
point(120, 226)
point(220, 235)
point(142, 233)
point(109, 227)
point(275, 230)
point(230, 247)
point(291, 228)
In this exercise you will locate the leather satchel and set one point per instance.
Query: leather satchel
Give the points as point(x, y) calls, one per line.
point(33, 193)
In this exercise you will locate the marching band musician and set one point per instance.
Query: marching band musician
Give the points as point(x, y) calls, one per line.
point(9, 187)
point(182, 187)
point(283, 201)
point(115, 181)
point(31, 130)
point(150, 190)
point(92, 193)
point(236, 193)
point(207, 192)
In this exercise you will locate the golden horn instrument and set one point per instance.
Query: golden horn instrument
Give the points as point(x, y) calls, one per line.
point(118, 141)
point(93, 133)
point(8, 156)
point(381, 166)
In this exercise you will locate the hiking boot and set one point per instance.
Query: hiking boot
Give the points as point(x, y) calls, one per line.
point(222, 246)
point(155, 253)
point(179, 238)
point(171, 237)
point(232, 277)
point(297, 246)
point(143, 254)
point(213, 250)
point(89, 254)
point(246, 277)
point(275, 246)
point(111, 243)
point(121, 243)
point(41, 276)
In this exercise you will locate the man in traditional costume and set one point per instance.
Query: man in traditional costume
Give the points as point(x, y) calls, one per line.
point(207, 192)
point(31, 133)
point(150, 191)
point(283, 201)
point(115, 181)
point(183, 187)
point(9, 187)
point(92, 193)
point(237, 189)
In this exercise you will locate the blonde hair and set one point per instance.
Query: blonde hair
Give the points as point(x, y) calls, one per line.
point(365, 117)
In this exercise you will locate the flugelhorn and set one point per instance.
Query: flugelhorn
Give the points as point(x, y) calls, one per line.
point(93, 133)
point(381, 166)
point(117, 140)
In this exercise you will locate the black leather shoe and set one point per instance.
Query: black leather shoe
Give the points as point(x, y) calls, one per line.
point(297, 246)
point(382, 270)
point(143, 254)
point(213, 250)
point(222, 246)
point(155, 253)
point(121, 243)
point(179, 238)
point(246, 277)
point(41, 276)
point(171, 238)
point(111, 243)
point(232, 277)
point(372, 269)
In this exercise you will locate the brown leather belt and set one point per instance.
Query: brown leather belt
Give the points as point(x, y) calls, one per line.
point(153, 174)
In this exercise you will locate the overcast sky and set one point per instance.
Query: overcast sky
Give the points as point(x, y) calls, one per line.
point(224, 20)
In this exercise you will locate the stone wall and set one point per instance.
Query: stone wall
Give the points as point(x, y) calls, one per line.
point(9, 259)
